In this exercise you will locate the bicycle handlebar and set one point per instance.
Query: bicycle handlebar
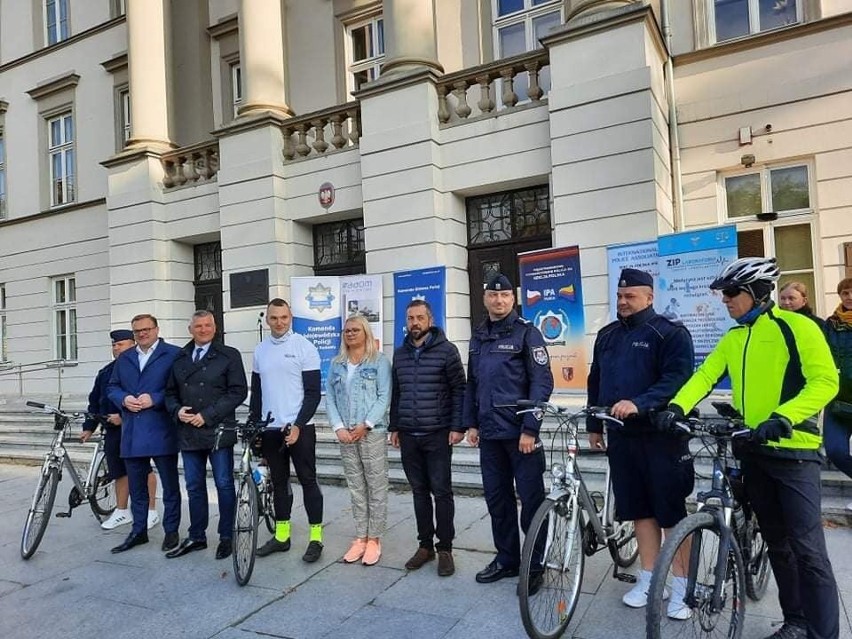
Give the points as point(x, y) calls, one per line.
point(600, 412)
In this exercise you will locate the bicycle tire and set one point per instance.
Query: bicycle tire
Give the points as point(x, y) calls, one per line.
point(39, 513)
point(547, 613)
point(702, 529)
point(268, 507)
point(245, 530)
point(757, 568)
point(102, 499)
point(627, 548)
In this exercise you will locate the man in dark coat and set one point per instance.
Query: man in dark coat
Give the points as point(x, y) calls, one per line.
point(425, 422)
point(138, 385)
point(207, 383)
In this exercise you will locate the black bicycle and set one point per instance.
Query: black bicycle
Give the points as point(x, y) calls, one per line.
point(96, 487)
point(715, 557)
point(570, 524)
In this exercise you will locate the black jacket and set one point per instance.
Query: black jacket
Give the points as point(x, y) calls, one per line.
point(428, 386)
point(213, 386)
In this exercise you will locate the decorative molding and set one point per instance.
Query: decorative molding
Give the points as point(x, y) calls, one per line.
point(398, 80)
point(54, 85)
point(65, 208)
point(4, 106)
point(116, 63)
point(247, 123)
point(225, 26)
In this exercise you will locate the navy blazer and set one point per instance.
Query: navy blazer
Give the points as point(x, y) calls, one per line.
point(151, 432)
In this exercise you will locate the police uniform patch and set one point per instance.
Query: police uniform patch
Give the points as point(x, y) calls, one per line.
point(539, 354)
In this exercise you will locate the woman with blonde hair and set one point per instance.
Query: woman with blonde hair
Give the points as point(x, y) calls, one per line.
point(358, 394)
point(793, 296)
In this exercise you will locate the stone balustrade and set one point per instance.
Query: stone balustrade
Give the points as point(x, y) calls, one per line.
point(190, 165)
point(493, 87)
point(322, 132)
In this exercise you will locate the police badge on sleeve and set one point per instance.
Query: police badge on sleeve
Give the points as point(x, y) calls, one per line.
point(539, 354)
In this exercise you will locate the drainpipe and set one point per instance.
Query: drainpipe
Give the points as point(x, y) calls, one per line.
point(678, 220)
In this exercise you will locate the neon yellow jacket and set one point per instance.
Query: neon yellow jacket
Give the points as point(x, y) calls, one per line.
point(779, 364)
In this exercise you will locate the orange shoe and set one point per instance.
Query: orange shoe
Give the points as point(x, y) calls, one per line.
point(356, 551)
point(373, 552)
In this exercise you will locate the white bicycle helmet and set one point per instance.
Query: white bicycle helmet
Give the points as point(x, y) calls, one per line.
point(756, 275)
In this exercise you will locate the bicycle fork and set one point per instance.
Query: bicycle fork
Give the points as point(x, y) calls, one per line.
point(720, 571)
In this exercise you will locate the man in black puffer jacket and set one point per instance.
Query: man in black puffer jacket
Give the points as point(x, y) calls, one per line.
point(425, 421)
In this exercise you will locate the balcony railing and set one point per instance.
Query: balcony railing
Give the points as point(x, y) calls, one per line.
point(502, 85)
point(322, 132)
point(191, 165)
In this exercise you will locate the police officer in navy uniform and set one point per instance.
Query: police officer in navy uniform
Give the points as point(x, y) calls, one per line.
point(507, 361)
point(640, 361)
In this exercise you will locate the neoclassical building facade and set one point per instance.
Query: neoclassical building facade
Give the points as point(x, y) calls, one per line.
point(161, 155)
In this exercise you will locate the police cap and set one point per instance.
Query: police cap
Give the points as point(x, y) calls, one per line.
point(121, 334)
point(499, 283)
point(635, 277)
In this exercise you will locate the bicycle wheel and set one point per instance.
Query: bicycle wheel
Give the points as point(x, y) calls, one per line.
point(102, 499)
point(556, 530)
point(627, 548)
point(757, 567)
point(245, 530)
point(39, 513)
point(696, 540)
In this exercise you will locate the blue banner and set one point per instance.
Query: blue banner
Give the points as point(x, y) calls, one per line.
point(429, 284)
point(315, 302)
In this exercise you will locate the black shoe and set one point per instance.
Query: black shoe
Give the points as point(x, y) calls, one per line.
point(789, 631)
point(495, 571)
point(170, 541)
point(273, 545)
point(133, 539)
point(224, 549)
point(534, 584)
point(313, 552)
point(186, 546)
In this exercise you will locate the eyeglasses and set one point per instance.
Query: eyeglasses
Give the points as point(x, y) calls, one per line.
point(349, 331)
point(142, 331)
point(731, 291)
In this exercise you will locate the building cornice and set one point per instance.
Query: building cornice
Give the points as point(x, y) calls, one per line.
point(52, 212)
point(131, 155)
point(398, 80)
point(241, 124)
point(118, 62)
point(54, 85)
point(77, 37)
point(225, 26)
point(765, 39)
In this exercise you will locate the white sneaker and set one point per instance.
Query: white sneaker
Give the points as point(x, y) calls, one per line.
point(117, 518)
point(849, 506)
point(637, 597)
point(153, 519)
point(677, 609)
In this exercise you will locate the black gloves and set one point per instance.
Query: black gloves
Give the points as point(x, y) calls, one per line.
point(772, 430)
point(665, 419)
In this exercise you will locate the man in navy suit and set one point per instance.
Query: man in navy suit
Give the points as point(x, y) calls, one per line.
point(138, 386)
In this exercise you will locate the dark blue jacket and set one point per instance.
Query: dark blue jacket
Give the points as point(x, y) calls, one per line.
point(151, 432)
point(839, 337)
point(428, 386)
point(645, 358)
point(508, 361)
point(99, 403)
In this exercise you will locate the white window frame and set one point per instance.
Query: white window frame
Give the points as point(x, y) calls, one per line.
point(121, 7)
point(60, 30)
point(764, 170)
point(4, 347)
point(124, 115)
point(64, 149)
point(3, 188)
point(753, 20)
point(236, 86)
point(372, 64)
point(525, 15)
point(64, 325)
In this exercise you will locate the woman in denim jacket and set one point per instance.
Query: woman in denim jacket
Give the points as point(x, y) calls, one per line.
point(358, 395)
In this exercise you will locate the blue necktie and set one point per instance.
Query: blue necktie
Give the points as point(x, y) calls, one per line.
point(198, 352)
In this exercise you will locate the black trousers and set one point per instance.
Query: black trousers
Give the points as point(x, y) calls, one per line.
point(785, 495)
point(426, 460)
point(303, 454)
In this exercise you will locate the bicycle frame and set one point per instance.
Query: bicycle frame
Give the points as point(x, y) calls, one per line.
point(57, 457)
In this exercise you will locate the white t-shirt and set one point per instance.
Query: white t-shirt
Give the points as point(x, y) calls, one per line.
point(280, 362)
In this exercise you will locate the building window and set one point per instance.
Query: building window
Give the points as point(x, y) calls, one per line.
point(124, 116)
point(518, 25)
point(509, 216)
point(737, 18)
point(61, 152)
point(236, 87)
point(119, 8)
point(780, 190)
point(339, 248)
point(65, 317)
point(56, 20)
point(4, 352)
point(365, 51)
point(2, 176)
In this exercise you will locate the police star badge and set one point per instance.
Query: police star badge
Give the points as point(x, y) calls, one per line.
point(539, 354)
point(319, 297)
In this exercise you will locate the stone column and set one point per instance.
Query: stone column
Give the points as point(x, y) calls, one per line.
point(410, 36)
point(262, 57)
point(148, 59)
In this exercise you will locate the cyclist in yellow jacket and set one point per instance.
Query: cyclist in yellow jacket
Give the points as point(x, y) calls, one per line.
point(782, 373)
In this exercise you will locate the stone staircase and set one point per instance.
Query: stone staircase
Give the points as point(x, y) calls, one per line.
point(25, 436)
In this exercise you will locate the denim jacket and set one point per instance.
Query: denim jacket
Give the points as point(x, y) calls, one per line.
point(369, 394)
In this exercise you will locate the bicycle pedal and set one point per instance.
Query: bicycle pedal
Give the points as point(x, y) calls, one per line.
point(63, 515)
point(625, 577)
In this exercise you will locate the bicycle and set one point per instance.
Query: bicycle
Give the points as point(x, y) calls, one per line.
point(97, 488)
point(254, 500)
point(719, 547)
point(570, 524)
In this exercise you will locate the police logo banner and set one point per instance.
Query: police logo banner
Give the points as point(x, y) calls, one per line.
point(539, 354)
